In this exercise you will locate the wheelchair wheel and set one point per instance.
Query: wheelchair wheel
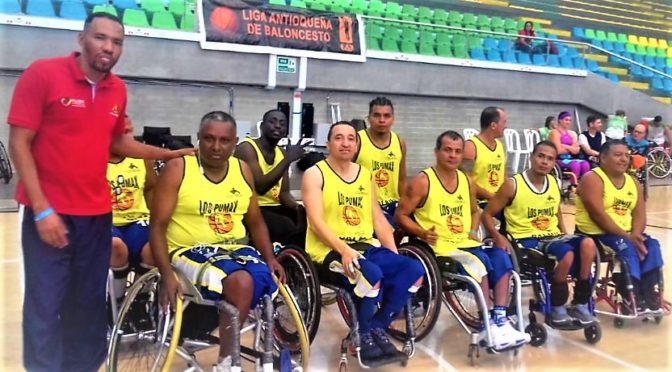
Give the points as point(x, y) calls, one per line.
point(462, 302)
point(538, 334)
point(659, 163)
point(143, 339)
point(426, 303)
point(5, 165)
point(593, 333)
point(289, 329)
point(303, 281)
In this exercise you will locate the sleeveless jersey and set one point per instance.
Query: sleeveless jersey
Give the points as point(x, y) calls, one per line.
point(347, 210)
point(489, 165)
point(618, 203)
point(209, 213)
point(272, 196)
point(450, 213)
point(127, 187)
point(533, 214)
point(384, 163)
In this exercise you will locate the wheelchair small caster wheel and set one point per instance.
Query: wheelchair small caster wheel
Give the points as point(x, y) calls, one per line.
point(343, 366)
point(473, 354)
point(619, 323)
point(658, 319)
point(593, 333)
point(538, 334)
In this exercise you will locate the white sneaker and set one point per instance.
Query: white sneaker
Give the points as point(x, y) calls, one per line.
point(517, 337)
point(494, 332)
point(223, 365)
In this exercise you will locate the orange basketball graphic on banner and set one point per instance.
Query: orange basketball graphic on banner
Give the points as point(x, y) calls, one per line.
point(541, 223)
point(123, 201)
point(620, 209)
point(493, 179)
point(221, 223)
point(224, 19)
point(454, 224)
point(275, 192)
point(382, 178)
point(350, 216)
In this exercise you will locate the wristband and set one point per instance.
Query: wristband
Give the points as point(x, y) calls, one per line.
point(44, 214)
point(475, 232)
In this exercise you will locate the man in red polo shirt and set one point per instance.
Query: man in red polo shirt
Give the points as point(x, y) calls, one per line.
point(66, 115)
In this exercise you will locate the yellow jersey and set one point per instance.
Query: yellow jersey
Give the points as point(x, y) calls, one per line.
point(489, 165)
point(127, 187)
point(209, 213)
point(449, 212)
point(533, 214)
point(618, 203)
point(272, 196)
point(347, 210)
point(384, 163)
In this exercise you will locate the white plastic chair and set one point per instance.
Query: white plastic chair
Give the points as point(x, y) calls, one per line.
point(468, 133)
point(513, 147)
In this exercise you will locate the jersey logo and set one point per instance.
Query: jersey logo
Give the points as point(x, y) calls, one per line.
point(221, 223)
point(132, 166)
point(391, 155)
point(541, 223)
point(454, 224)
point(73, 102)
point(550, 198)
point(115, 111)
point(350, 216)
point(235, 192)
point(382, 178)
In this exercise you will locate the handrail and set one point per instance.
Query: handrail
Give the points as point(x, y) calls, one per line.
point(516, 35)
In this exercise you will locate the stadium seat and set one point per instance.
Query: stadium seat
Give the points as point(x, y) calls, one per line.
point(477, 53)
point(657, 84)
point(505, 45)
point(73, 9)
point(608, 45)
point(524, 59)
point(443, 38)
point(151, 6)
point(596, 43)
point(372, 43)
point(393, 10)
point(641, 50)
point(539, 60)
point(105, 9)
point(427, 49)
point(592, 66)
point(425, 14)
point(662, 43)
point(444, 50)
point(277, 2)
point(589, 34)
point(96, 2)
point(661, 52)
point(632, 39)
point(611, 36)
point(650, 61)
point(40, 8)
point(580, 63)
point(489, 43)
point(408, 47)
point(509, 56)
point(482, 20)
point(494, 55)
point(357, 6)
point(613, 77)
point(177, 7)
point(440, 16)
point(600, 35)
point(511, 25)
point(188, 22)
point(572, 52)
point(460, 51)
point(643, 41)
point(667, 85)
point(10, 7)
point(475, 42)
point(390, 45)
point(553, 61)
point(298, 4)
point(619, 47)
point(376, 8)
point(455, 18)
point(125, 4)
point(623, 38)
point(468, 20)
point(135, 18)
point(653, 42)
point(164, 20)
point(631, 48)
point(566, 62)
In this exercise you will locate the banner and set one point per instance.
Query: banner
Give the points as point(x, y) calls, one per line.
point(257, 27)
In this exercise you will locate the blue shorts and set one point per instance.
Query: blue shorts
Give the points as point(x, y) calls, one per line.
point(499, 216)
point(558, 249)
point(388, 212)
point(207, 266)
point(135, 235)
point(626, 251)
point(479, 261)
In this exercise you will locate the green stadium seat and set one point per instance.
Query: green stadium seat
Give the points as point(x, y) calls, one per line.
point(409, 34)
point(277, 2)
point(376, 8)
point(408, 47)
point(661, 52)
point(319, 7)
point(497, 22)
point(454, 17)
point(372, 43)
point(468, 20)
point(460, 51)
point(443, 38)
point(393, 10)
point(611, 36)
point(440, 16)
point(511, 25)
point(337, 9)
point(105, 9)
point(427, 37)
point(164, 20)
point(409, 10)
point(600, 35)
point(483, 21)
point(651, 51)
point(135, 18)
point(425, 14)
point(641, 50)
point(444, 50)
point(177, 7)
point(374, 31)
point(460, 40)
point(427, 49)
point(390, 45)
point(589, 33)
point(151, 6)
point(392, 32)
point(188, 22)
point(475, 42)
point(631, 48)
point(623, 38)
point(356, 6)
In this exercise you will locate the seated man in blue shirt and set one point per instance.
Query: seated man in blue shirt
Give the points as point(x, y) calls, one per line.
point(638, 145)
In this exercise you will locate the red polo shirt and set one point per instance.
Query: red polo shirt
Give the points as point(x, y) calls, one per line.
point(73, 131)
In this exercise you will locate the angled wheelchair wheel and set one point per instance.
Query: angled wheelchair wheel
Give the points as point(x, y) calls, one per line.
point(144, 339)
point(426, 303)
point(462, 303)
point(5, 165)
point(289, 329)
point(659, 163)
point(304, 284)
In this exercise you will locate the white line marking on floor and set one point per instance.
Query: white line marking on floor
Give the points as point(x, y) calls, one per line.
point(440, 360)
point(593, 350)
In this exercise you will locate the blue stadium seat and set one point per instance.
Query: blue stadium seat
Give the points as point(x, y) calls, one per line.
point(596, 43)
point(657, 84)
point(608, 45)
point(580, 63)
point(566, 62)
point(494, 55)
point(42, 8)
point(73, 9)
point(572, 52)
point(613, 77)
point(10, 6)
point(660, 63)
point(96, 2)
point(553, 61)
point(636, 71)
point(539, 60)
point(667, 85)
point(509, 56)
point(489, 43)
point(577, 33)
point(125, 4)
point(650, 61)
point(477, 53)
point(619, 47)
point(647, 74)
point(638, 58)
point(524, 59)
point(505, 45)
point(592, 66)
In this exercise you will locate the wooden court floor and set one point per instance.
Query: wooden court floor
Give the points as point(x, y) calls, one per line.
point(638, 346)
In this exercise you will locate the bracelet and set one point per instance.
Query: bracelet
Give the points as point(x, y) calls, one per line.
point(44, 214)
point(475, 232)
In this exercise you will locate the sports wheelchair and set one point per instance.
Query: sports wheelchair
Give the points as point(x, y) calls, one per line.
point(622, 309)
point(5, 165)
point(566, 180)
point(535, 266)
point(146, 338)
point(659, 163)
point(461, 294)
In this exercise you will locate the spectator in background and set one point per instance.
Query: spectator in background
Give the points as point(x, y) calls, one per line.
point(549, 125)
point(617, 126)
point(566, 141)
point(358, 124)
point(638, 145)
point(591, 140)
point(532, 46)
point(658, 132)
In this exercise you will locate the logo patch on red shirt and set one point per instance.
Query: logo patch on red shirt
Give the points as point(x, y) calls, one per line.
point(73, 102)
point(115, 111)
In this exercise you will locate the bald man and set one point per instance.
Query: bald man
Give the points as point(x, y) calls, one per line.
point(638, 145)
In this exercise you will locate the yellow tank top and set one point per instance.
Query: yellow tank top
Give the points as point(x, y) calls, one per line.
point(489, 165)
point(450, 213)
point(272, 196)
point(384, 163)
point(618, 203)
point(347, 210)
point(207, 212)
point(127, 187)
point(533, 214)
